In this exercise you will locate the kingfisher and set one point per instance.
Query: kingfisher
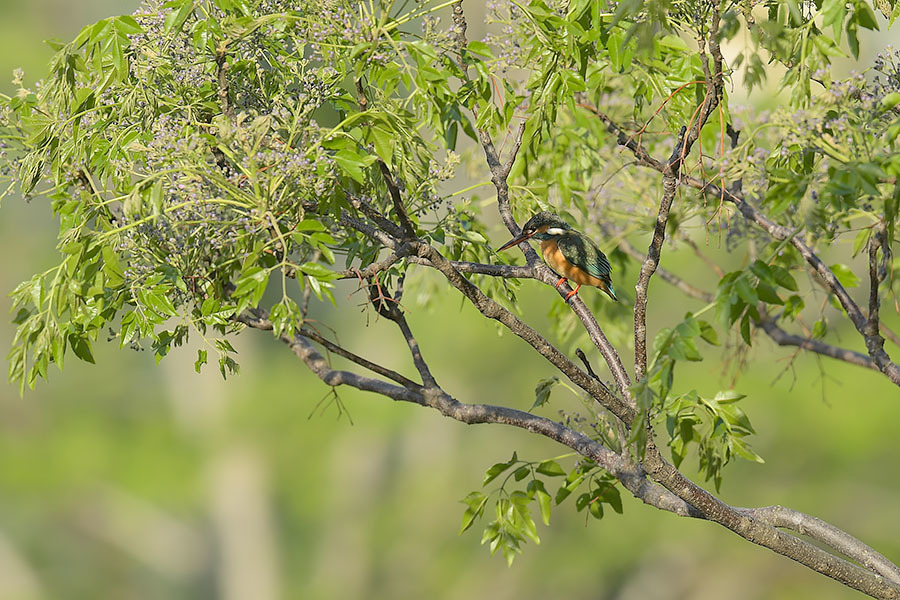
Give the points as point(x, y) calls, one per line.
point(571, 254)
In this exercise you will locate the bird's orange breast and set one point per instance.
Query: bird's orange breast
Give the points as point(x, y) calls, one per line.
point(558, 262)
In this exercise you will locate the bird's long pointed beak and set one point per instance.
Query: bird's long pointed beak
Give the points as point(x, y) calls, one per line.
point(514, 241)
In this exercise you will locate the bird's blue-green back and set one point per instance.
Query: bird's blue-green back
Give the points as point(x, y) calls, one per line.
point(579, 250)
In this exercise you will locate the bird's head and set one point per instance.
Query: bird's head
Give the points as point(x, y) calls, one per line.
point(542, 226)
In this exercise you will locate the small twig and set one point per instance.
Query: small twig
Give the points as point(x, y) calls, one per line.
point(491, 270)
point(376, 267)
point(651, 261)
point(375, 368)
point(587, 365)
point(667, 276)
point(709, 262)
point(405, 222)
point(389, 307)
point(783, 338)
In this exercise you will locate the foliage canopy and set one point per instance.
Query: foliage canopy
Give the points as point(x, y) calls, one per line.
point(211, 159)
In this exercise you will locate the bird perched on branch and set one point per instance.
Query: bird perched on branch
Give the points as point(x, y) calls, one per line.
point(571, 254)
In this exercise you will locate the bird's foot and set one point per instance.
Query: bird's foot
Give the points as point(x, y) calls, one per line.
point(573, 292)
point(561, 281)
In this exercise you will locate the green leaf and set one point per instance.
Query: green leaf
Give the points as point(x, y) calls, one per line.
point(353, 163)
point(745, 329)
point(708, 333)
point(743, 450)
point(542, 392)
point(745, 291)
point(318, 271)
point(385, 142)
point(767, 293)
point(112, 268)
point(201, 360)
point(861, 240)
point(784, 278)
point(475, 502)
point(890, 101)
point(762, 270)
point(729, 396)
point(582, 501)
point(81, 346)
point(820, 328)
point(844, 275)
point(543, 499)
point(498, 468)
point(126, 25)
point(596, 509)
point(480, 48)
point(309, 225)
point(175, 19)
point(550, 468)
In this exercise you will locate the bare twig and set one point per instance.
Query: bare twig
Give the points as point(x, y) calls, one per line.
point(408, 228)
point(377, 266)
point(375, 368)
point(875, 276)
point(701, 255)
point(768, 325)
point(783, 338)
point(686, 288)
point(651, 261)
point(491, 270)
point(390, 309)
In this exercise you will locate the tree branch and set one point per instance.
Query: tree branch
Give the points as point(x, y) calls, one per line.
point(392, 311)
point(377, 266)
point(783, 338)
point(408, 228)
point(874, 341)
point(817, 529)
point(340, 351)
point(761, 533)
point(495, 311)
point(491, 270)
point(222, 81)
point(678, 494)
point(632, 476)
point(651, 262)
point(875, 276)
point(768, 325)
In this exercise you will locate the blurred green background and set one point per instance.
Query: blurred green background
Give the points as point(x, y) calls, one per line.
point(129, 480)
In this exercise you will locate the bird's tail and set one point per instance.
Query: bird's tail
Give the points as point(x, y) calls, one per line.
point(609, 290)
